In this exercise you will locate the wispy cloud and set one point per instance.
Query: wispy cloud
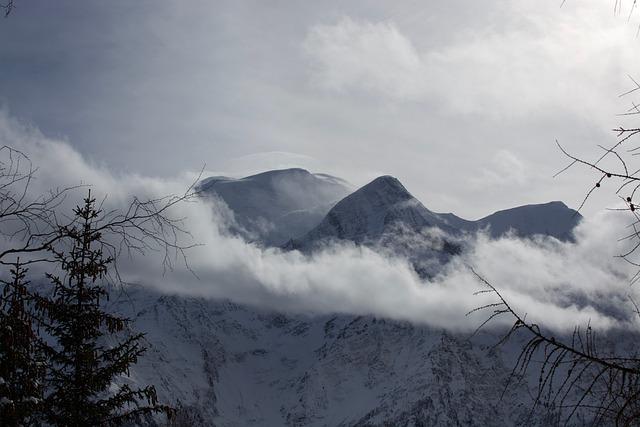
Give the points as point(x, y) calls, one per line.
point(354, 88)
point(534, 60)
point(371, 56)
point(557, 284)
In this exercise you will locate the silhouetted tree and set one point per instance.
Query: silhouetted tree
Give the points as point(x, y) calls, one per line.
point(86, 350)
point(28, 222)
point(32, 224)
point(21, 363)
point(7, 7)
point(84, 361)
point(578, 372)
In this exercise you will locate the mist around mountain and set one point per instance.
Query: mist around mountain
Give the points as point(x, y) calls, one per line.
point(376, 208)
point(313, 209)
point(232, 364)
point(297, 210)
point(229, 364)
point(347, 332)
point(275, 206)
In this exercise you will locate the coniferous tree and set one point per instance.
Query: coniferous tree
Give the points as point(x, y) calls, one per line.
point(86, 360)
point(21, 368)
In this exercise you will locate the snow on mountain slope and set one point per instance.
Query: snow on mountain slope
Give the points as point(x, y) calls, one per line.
point(550, 219)
point(371, 212)
point(299, 210)
point(384, 215)
point(380, 207)
point(230, 365)
point(226, 364)
point(275, 206)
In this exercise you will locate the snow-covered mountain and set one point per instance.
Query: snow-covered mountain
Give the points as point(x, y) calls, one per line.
point(384, 215)
point(226, 364)
point(385, 206)
point(370, 212)
point(300, 210)
point(275, 206)
point(549, 219)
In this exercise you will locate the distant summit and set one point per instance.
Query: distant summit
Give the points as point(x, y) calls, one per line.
point(370, 212)
point(386, 186)
point(275, 206)
point(296, 209)
point(384, 215)
point(550, 219)
point(225, 363)
point(268, 178)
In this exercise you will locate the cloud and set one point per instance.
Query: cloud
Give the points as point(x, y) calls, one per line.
point(504, 169)
point(536, 59)
point(556, 284)
point(259, 162)
point(411, 89)
point(371, 56)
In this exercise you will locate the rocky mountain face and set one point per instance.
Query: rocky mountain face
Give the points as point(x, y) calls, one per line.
point(226, 364)
point(230, 365)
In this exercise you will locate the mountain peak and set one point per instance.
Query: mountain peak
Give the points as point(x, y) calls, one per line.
point(559, 205)
point(274, 206)
point(368, 212)
point(386, 181)
point(552, 219)
point(384, 190)
point(280, 173)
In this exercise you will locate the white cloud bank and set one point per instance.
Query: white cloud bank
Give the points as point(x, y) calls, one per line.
point(543, 278)
point(538, 59)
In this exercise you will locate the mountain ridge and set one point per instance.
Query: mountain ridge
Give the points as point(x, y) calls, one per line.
point(229, 364)
point(374, 209)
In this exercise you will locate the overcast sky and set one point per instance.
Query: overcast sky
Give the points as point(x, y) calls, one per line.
point(461, 100)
